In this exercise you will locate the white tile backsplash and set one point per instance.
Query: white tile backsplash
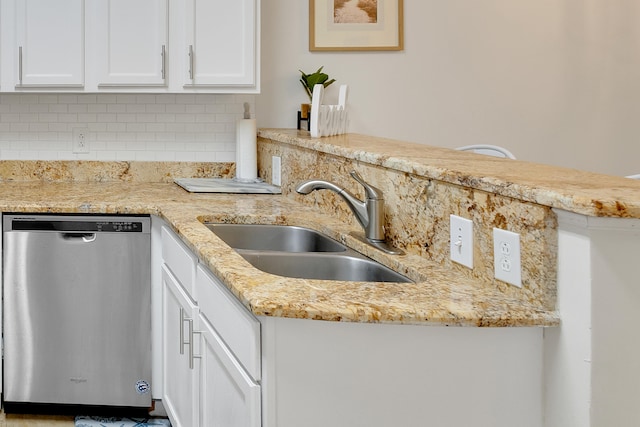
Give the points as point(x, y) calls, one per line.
point(147, 127)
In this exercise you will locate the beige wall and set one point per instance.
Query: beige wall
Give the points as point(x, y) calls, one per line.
point(555, 81)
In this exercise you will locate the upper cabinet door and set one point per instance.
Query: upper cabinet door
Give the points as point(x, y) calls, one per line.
point(50, 43)
point(220, 43)
point(131, 42)
point(146, 46)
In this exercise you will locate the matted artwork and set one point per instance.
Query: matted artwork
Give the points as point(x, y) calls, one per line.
point(355, 25)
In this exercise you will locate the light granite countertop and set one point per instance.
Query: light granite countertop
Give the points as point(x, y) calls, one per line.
point(572, 190)
point(438, 296)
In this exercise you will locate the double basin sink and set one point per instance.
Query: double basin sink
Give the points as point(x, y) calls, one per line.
point(303, 253)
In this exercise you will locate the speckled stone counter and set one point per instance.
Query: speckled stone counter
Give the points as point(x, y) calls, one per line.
point(438, 296)
point(422, 185)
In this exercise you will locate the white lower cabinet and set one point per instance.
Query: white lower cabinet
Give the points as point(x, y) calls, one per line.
point(281, 372)
point(344, 374)
point(211, 346)
point(180, 367)
point(228, 396)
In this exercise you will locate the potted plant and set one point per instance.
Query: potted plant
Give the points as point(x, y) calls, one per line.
point(308, 81)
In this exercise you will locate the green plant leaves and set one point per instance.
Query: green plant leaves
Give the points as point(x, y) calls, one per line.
point(308, 81)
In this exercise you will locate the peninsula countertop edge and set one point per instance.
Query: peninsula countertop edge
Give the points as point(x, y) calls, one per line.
point(573, 190)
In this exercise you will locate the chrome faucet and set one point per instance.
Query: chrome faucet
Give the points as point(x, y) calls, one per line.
point(370, 213)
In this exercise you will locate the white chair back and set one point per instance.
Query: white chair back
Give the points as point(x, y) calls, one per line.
point(637, 176)
point(490, 150)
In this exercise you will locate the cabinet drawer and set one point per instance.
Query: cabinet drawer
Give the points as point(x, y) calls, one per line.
point(233, 322)
point(228, 396)
point(179, 259)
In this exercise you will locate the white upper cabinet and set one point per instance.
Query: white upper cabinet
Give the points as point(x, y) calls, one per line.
point(130, 42)
point(220, 43)
point(157, 46)
point(49, 43)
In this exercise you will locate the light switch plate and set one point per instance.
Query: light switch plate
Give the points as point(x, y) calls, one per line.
point(461, 240)
point(506, 257)
point(276, 171)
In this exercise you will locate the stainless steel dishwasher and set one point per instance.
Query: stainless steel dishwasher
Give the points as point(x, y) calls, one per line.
point(77, 311)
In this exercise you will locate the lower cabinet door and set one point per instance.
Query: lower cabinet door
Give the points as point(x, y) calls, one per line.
point(180, 378)
point(228, 395)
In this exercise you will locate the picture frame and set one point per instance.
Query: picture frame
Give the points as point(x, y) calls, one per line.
point(356, 25)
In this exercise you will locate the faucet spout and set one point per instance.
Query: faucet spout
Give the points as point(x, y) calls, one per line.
point(358, 207)
point(370, 213)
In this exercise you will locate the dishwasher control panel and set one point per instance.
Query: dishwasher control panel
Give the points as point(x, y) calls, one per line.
point(81, 224)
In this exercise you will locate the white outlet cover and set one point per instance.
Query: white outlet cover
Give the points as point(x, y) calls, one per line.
point(80, 143)
point(461, 240)
point(506, 257)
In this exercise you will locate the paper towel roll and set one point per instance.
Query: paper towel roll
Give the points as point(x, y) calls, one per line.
point(246, 150)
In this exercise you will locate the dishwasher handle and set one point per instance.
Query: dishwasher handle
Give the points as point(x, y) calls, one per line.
point(85, 237)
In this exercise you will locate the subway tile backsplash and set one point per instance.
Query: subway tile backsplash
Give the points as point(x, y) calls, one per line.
point(141, 127)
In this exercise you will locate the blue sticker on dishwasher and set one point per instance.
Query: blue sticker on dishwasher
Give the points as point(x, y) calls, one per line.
point(142, 387)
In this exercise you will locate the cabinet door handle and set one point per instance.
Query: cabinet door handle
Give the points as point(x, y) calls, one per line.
point(191, 62)
point(191, 341)
point(20, 64)
point(163, 55)
point(184, 319)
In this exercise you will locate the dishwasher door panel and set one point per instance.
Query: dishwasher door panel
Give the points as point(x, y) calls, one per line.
point(77, 318)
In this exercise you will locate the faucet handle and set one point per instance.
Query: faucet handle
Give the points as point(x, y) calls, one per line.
point(372, 192)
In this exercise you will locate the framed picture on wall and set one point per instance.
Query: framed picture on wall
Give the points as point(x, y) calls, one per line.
point(336, 25)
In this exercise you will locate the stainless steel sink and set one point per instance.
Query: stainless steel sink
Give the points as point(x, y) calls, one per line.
point(284, 238)
point(323, 266)
point(303, 253)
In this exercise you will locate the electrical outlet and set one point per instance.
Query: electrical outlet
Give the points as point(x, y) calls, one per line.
point(80, 141)
point(276, 171)
point(506, 257)
point(461, 240)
